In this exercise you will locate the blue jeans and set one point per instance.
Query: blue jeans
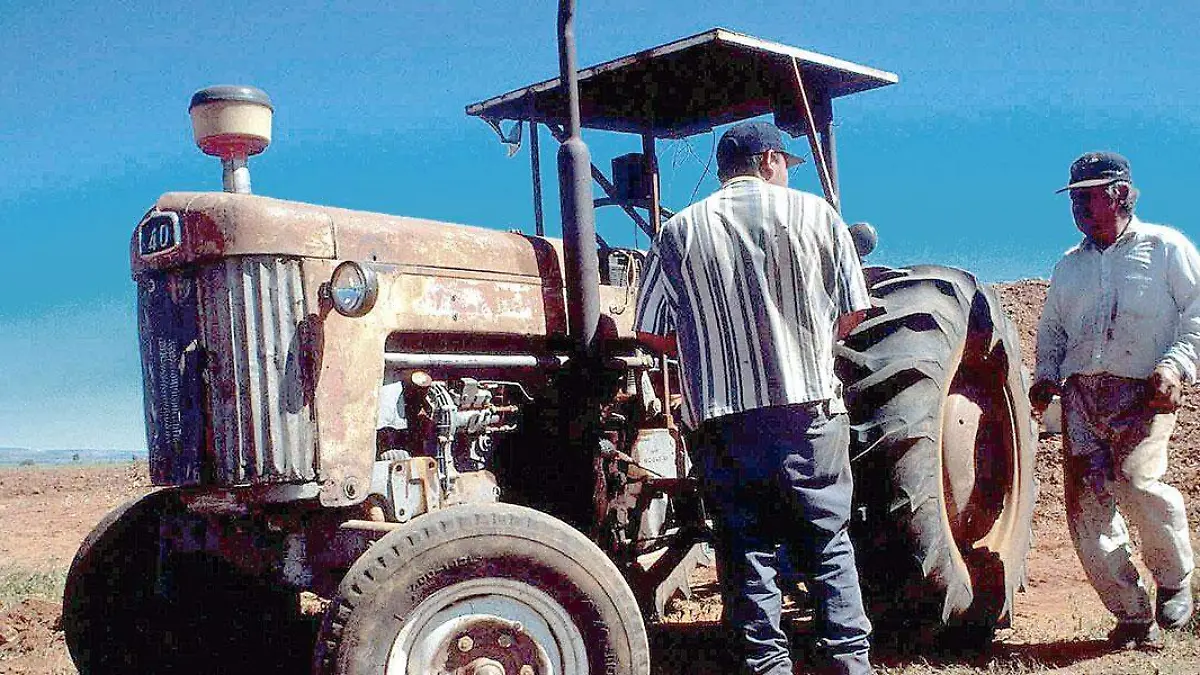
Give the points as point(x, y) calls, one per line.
point(781, 475)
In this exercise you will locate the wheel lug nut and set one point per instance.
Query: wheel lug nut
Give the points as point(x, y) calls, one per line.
point(526, 670)
point(465, 643)
point(504, 640)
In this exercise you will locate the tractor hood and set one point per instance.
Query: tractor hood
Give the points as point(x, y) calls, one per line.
point(187, 227)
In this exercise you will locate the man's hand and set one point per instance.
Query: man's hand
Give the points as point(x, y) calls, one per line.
point(848, 322)
point(1041, 393)
point(663, 344)
point(1166, 389)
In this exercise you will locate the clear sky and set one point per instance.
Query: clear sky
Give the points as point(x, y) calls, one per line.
point(955, 165)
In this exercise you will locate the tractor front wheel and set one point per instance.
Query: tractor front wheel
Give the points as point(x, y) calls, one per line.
point(483, 589)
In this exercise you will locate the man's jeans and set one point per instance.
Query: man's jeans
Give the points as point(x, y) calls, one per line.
point(1116, 455)
point(782, 475)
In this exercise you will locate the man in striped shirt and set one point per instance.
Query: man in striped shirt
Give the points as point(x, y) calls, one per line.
point(751, 287)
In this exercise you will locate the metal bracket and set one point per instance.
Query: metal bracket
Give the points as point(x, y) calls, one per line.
point(512, 139)
point(605, 184)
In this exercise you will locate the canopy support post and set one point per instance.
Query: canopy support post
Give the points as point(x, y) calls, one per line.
point(650, 158)
point(815, 144)
point(535, 165)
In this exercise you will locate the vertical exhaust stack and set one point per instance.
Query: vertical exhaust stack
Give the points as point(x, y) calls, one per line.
point(581, 267)
point(580, 421)
point(232, 122)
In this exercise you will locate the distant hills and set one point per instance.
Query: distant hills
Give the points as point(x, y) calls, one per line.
point(25, 456)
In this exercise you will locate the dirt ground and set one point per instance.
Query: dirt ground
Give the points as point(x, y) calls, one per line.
point(1059, 622)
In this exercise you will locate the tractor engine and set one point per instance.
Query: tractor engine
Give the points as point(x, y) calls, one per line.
point(436, 441)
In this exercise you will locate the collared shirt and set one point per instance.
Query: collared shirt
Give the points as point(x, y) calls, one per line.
point(1123, 310)
point(752, 281)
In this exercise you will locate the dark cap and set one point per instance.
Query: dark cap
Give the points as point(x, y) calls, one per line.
point(1098, 168)
point(231, 92)
point(752, 138)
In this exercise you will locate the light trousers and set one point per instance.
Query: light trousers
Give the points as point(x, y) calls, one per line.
point(1115, 456)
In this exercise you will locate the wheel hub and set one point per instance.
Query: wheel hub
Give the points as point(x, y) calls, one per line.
point(489, 645)
point(489, 626)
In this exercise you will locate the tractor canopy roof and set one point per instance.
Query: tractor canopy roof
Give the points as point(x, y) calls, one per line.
point(690, 86)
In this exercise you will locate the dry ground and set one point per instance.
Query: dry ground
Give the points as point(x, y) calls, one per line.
point(1059, 625)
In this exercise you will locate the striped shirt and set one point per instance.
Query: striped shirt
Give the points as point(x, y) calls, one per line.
point(752, 281)
point(1123, 310)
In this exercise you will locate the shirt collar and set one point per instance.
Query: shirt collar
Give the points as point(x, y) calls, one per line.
point(740, 179)
point(1132, 228)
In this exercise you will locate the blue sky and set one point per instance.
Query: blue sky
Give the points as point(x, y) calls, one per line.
point(955, 165)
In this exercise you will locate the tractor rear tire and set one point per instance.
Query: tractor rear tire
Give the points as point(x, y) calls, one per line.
point(128, 609)
point(483, 584)
point(944, 449)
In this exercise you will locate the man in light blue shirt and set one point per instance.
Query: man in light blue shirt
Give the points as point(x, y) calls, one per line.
point(1119, 335)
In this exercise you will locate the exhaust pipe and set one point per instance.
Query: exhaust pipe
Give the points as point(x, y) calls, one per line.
point(579, 423)
point(581, 268)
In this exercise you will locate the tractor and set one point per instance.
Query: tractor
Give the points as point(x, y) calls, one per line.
point(383, 444)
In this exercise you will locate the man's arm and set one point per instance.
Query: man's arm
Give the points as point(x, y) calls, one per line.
point(1183, 278)
point(1178, 364)
point(1051, 347)
point(654, 322)
point(852, 298)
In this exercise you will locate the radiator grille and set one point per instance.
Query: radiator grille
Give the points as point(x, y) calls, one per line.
point(244, 326)
point(171, 378)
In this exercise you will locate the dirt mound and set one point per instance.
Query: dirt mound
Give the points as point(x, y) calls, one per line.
point(45, 512)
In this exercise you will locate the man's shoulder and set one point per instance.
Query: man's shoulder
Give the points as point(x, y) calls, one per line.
point(1075, 251)
point(685, 217)
point(811, 209)
point(713, 203)
point(731, 200)
point(762, 186)
point(800, 195)
point(1163, 233)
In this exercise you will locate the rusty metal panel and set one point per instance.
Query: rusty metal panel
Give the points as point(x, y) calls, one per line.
point(219, 224)
point(260, 405)
point(347, 367)
point(443, 303)
point(216, 225)
point(430, 244)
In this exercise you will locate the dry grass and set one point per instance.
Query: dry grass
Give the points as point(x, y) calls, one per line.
point(17, 584)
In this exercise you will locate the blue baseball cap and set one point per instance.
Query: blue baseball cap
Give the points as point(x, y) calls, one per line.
point(1097, 168)
point(752, 138)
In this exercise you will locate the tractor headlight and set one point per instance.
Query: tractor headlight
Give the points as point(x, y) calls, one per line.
point(353, 289)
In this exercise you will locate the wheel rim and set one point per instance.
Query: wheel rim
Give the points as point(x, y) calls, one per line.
point(488, 627)
point(979, 458)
